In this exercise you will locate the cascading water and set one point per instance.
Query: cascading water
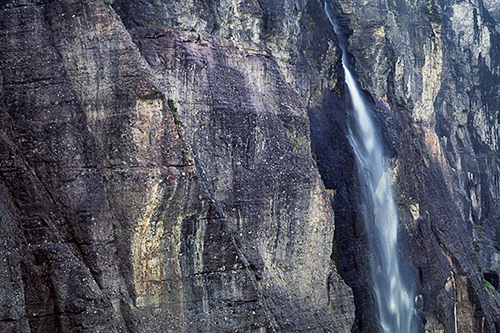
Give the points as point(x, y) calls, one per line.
point(394, 301)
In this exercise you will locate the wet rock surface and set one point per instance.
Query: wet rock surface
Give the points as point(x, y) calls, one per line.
point(429, 67)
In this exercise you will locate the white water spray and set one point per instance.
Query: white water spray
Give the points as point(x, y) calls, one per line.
point(394, 301)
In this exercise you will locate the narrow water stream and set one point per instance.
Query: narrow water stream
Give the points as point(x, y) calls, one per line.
point(394, 301)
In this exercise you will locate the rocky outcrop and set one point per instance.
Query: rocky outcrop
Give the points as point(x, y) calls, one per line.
point(431, 70)
point(158, 177)
point(175, 166)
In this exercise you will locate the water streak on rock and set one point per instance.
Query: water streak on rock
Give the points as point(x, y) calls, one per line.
point(394, 299)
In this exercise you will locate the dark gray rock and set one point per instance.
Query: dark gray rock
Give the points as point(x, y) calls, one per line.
point(161, 180)
point(161, 160)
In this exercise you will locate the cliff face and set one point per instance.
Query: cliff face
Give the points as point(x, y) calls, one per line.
point(157, 174)
point(175, 166)
point(432, 71)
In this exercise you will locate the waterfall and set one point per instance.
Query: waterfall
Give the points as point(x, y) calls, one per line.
point(395, 302)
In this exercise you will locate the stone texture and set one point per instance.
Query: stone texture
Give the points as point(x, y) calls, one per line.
point(237, 146)
point(430, 70)
point(159, 179)
point(161, 160)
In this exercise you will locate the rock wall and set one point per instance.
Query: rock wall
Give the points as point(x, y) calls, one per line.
point(173, 166)
point(156, 168)
point(430, 68)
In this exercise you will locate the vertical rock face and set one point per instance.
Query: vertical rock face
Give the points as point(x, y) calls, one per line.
point(431, 69)
point(160, 164)
point(156, 170)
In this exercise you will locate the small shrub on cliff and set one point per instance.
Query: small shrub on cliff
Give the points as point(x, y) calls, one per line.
point(431, 10)
point(488, 285)
point(172, 107)
point(334, 255)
